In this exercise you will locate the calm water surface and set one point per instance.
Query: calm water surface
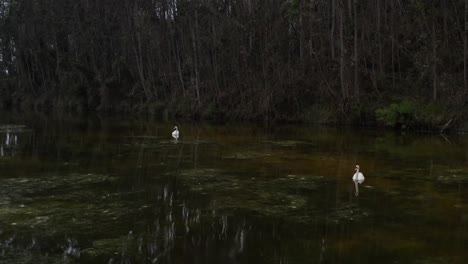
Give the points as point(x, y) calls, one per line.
point(113, 191)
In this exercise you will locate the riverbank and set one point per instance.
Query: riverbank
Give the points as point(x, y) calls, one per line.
point(398, 113)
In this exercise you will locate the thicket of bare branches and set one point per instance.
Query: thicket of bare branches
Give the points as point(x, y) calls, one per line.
point(245, 59)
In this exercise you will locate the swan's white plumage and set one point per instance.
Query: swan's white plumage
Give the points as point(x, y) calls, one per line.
point(358, 176)
point(175, 133)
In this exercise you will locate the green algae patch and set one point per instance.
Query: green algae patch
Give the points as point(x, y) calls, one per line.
point(348, 212)
point(105, 249)
point(26, 257)
point(47, 209)
point(434, 260)
point(30, 203)
point(13, 128)
point(277, 197)
point(453, 178)
point(22, 188)
point(293, 198)
point(288, 143)
point(248, 155)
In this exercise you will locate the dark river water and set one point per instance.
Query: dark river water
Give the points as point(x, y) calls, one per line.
point(123, 191)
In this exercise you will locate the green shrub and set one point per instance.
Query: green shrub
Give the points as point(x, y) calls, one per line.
point(398, 115)
point(431, 114)
point(409, 112)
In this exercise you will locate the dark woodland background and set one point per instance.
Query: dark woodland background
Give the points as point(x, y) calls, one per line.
point(370, 62)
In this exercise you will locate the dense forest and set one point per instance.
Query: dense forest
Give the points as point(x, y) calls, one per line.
point(390, 62)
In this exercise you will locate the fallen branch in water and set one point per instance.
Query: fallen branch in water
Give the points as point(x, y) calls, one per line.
point(446, 125)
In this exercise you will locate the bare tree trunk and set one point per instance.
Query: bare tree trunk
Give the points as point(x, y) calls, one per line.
point(332, 31)
point(57, 58)
point(444, 10)
point(379, 33)
point(30, 74)
point(151, 73)
point(301, 32)
point(214, 60)
point(373, 76)
point(392, 26)
point(342, 77)
point(434, 62)
point(350, 8)
point(465, 48)
point(195, 57)
point(103, 90)
point(139, 60)
point(181, 78)
point(356, 56)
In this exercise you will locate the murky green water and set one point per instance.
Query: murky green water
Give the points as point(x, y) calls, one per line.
point(112, 191)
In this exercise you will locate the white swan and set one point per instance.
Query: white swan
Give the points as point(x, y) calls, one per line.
point(358, 176)
point(175, 133)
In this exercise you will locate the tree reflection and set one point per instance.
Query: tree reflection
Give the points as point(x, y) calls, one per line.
point(9, 142)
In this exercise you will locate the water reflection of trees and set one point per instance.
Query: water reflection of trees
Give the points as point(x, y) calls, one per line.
point(171, 222)
point(175, 226)
point(9, 139)
point(171, 226)
point(180, 231)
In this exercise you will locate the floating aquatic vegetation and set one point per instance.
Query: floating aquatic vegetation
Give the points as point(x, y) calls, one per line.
point(145, 137)
point(348, 212)
point(434, 260)
point(50, 207)
point(106, 250)
point(26, 257)
point(453, 178)
point(16, 188)
point(269, 197)
point(248, 155)
point(293, 198)
point(288, 143)
point(248, 200)
point(13, 128)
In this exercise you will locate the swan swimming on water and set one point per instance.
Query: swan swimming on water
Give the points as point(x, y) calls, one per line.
point(358, 176)
point(175, 133)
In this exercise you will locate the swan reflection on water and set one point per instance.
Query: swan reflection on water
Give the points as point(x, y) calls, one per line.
point(356, 186)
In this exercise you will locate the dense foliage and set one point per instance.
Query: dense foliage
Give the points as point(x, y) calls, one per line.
point(297, 60)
